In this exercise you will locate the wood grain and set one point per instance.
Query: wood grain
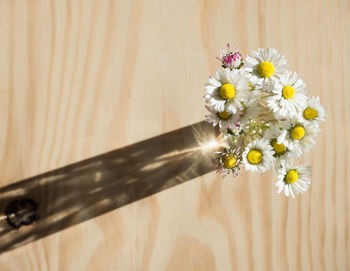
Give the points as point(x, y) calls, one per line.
point(81, 78)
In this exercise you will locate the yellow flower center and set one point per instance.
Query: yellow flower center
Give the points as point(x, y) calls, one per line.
point(310, 113)
point(278, 148)
point(251, 86)
point(288, 92)
point(254, 157)
point(266, 69)
point(297, 132)
point(292, 176)
point(230, 162)
point(227, 91)
point(224, 115)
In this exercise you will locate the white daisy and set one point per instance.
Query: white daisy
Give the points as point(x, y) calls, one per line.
point(266, 65)
point(281, 152)
point(250, 111)
point(234, 131)
point(288, 96)
point(297, 136)
point(258, 156)
point(223, 119)
point(293, 180)
point(313, 112)
point(227, 90)
point(229, 160)
point(255, 85)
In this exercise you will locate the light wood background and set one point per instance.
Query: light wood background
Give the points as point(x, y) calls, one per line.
point(81, 78)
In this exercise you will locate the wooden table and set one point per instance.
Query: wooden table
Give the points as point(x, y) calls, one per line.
point(101, 122)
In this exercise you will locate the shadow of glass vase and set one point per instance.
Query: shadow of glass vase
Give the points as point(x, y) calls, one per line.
point(83, 190)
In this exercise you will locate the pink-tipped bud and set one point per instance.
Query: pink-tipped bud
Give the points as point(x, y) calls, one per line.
point(231, 59)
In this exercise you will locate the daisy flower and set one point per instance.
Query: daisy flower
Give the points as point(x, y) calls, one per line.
point(250, 111)
point(255, 85)
point(227, 90)
point(223, 119)
point(229, 59)
point(293, 180)
point(266, 65)
point(235, 130)
point(281, 152)
point(288, 96)
point(229, 160)
point(313, 112)
point(297, 136)
point(258, 156)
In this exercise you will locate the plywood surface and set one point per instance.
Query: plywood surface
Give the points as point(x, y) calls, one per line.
point(79, 79)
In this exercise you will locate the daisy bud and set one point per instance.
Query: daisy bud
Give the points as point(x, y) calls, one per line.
point(231, 59)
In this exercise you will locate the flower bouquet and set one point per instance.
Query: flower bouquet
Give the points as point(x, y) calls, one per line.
point(266, 116)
